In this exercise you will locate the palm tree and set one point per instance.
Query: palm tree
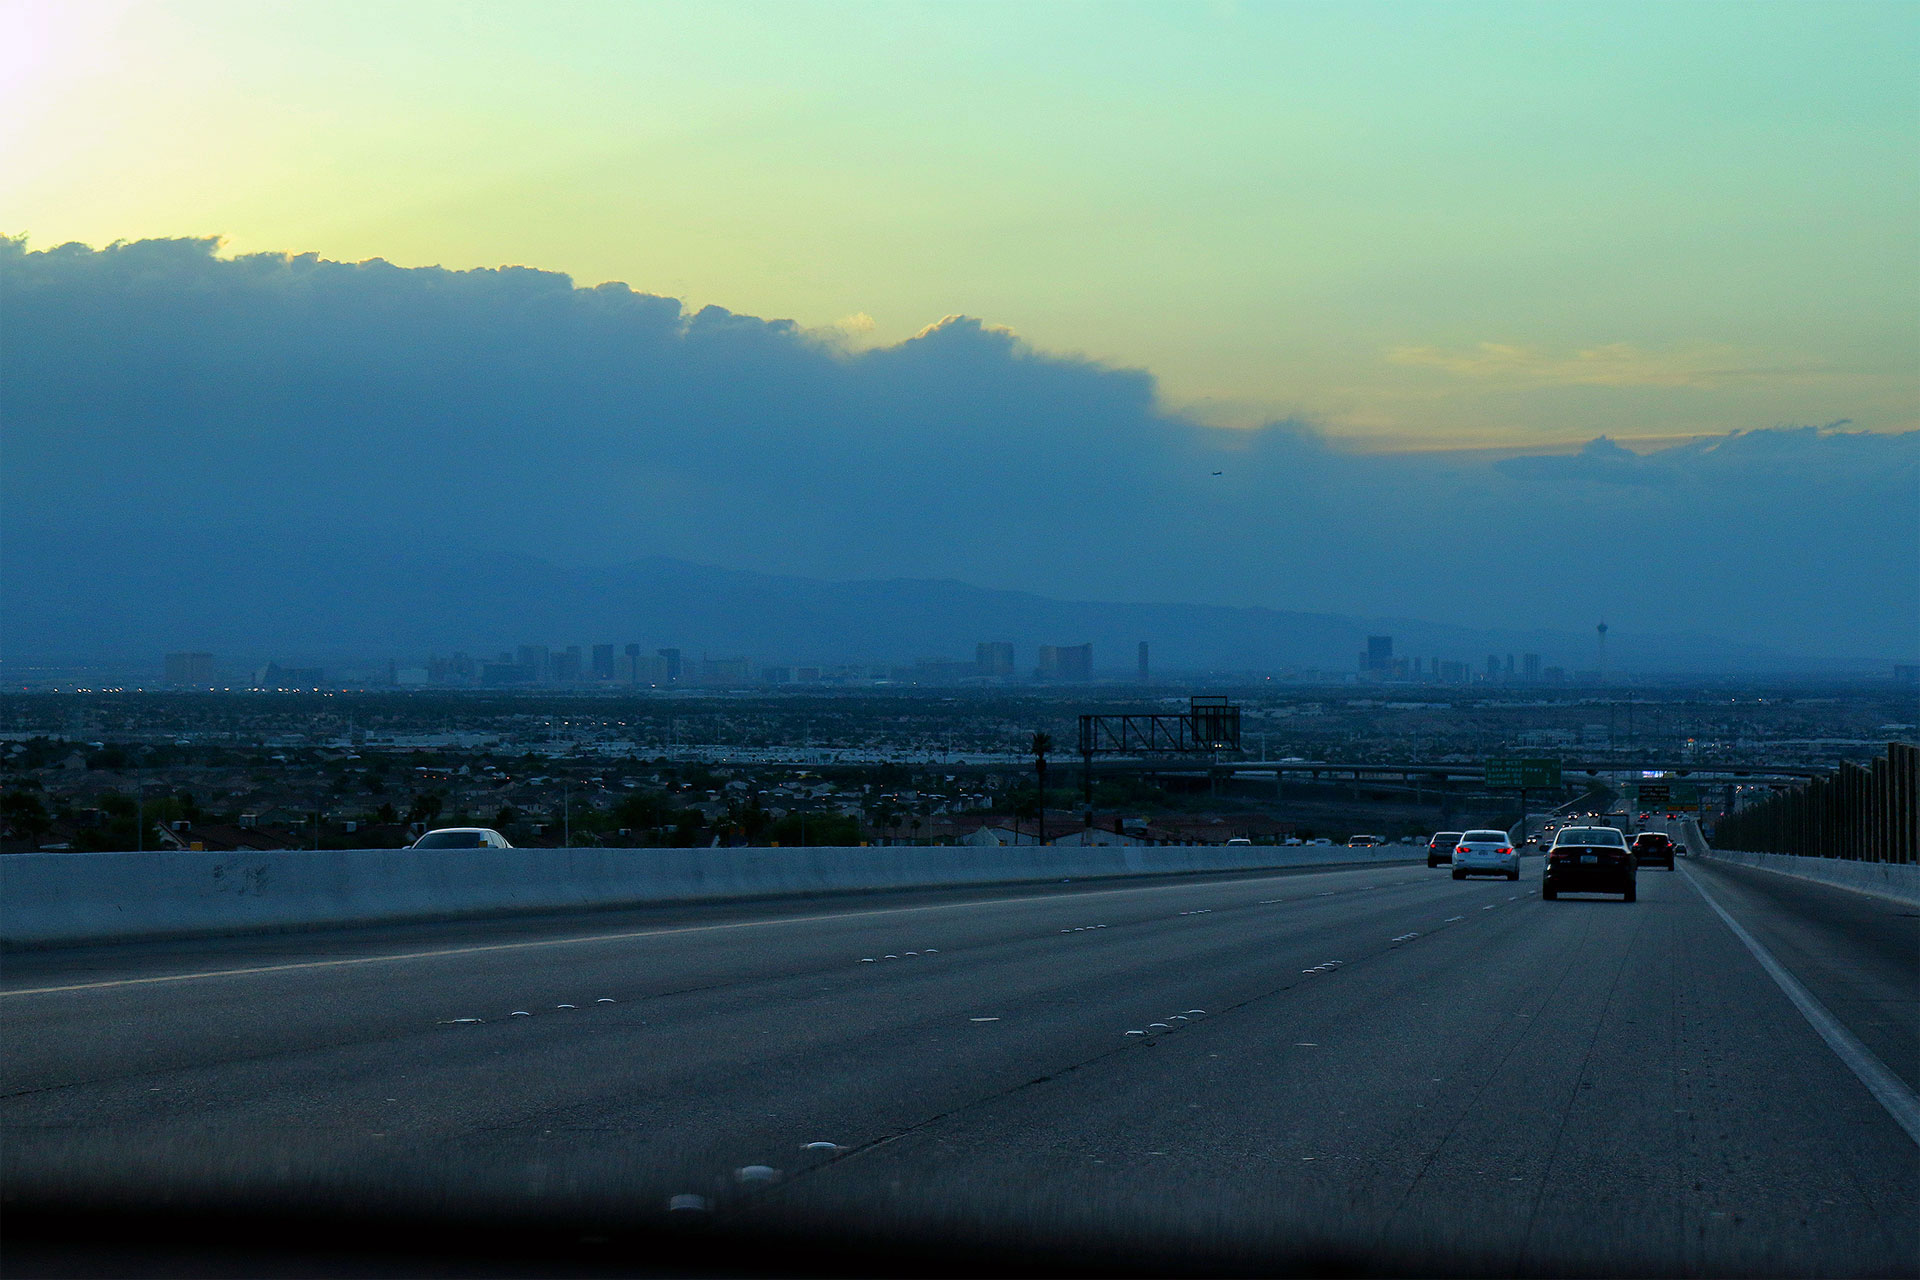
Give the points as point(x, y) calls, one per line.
point(1042, 744)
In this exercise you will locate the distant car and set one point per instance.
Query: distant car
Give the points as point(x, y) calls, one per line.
point(1589, 860)
point(1320, 840)
point(1363, 842)
point(1293, 842)
point(1485, 853)
point(1440, 848)
point(1653, 848)
point(461, 838)
point(1239, 840)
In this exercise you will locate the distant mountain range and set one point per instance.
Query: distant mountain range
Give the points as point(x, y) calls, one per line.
point(320, 606)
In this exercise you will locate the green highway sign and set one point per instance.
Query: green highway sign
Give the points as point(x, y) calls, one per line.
point(1517, 773)
point(1666, 793)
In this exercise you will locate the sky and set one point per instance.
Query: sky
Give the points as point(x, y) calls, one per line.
point(1405, 227)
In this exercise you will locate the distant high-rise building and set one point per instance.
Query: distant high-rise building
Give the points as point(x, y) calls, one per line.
point(1066, 662)
point(633, 664)
point(535, 659)
point(1379, 654)
point(1493, 666)
point(1510, 666)
point(1530, 667)
point(189, 668)
point(993, 658)
point(603, 662)
point(275, 676)
point(725, 671)
point(1144, 677)
point(673, 668)
point(564, 667)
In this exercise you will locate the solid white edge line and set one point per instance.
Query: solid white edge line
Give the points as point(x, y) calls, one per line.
point(1888, 1089)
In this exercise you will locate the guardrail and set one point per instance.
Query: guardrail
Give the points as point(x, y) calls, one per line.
point(1859, 814)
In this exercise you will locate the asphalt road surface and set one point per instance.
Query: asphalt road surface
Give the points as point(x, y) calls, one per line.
point(1373, 1070)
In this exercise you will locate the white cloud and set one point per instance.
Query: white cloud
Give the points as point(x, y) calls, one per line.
point(1701, 366)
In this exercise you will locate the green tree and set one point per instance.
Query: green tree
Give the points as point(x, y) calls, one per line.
point(25, 814)
point(1042, 745)
point(643, 811)
point(814, 830)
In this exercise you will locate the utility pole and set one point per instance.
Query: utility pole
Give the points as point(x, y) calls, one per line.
point(1042, 744)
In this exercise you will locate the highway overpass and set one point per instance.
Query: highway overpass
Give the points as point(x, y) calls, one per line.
point(1376, 1069)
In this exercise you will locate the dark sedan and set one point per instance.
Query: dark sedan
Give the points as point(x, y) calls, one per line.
point(1653, 848)
point(1589, 860)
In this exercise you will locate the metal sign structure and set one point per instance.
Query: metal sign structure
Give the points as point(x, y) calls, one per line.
point(1208, 725)
point(1522, 773)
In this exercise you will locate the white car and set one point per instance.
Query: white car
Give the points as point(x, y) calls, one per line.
point(462, 838)
point(1485, 853)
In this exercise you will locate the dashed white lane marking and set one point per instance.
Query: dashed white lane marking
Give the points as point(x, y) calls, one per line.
point(1451, 919)
point(1888, 1089)
point(1490, 906)
point(983, 1019)
point(1406, 937)
point(484, 948)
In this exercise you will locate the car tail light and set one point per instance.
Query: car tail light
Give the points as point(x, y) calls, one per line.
point(1508, 849)
point(1460, 848)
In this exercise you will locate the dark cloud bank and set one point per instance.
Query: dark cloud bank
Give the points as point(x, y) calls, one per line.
point(291, 453)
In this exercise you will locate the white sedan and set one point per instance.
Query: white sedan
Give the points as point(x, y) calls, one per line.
point(1485, 853)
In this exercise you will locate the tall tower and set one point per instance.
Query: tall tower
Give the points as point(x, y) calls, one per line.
point(1601, 655)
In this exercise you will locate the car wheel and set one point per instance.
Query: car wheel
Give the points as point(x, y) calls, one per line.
point(1459, 875)
point(1548, 895)
point(1514, 874)
point(1630, 894)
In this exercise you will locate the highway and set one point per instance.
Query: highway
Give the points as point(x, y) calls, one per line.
point(1377, 1070)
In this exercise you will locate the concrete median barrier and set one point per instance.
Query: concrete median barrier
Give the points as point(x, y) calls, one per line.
point(64, 899)
point(1898, 881)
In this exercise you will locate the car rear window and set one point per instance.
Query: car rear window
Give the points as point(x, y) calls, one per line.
point(1591, 836)
point(450, 840)
point(1486, 837)
point(1446, 837)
